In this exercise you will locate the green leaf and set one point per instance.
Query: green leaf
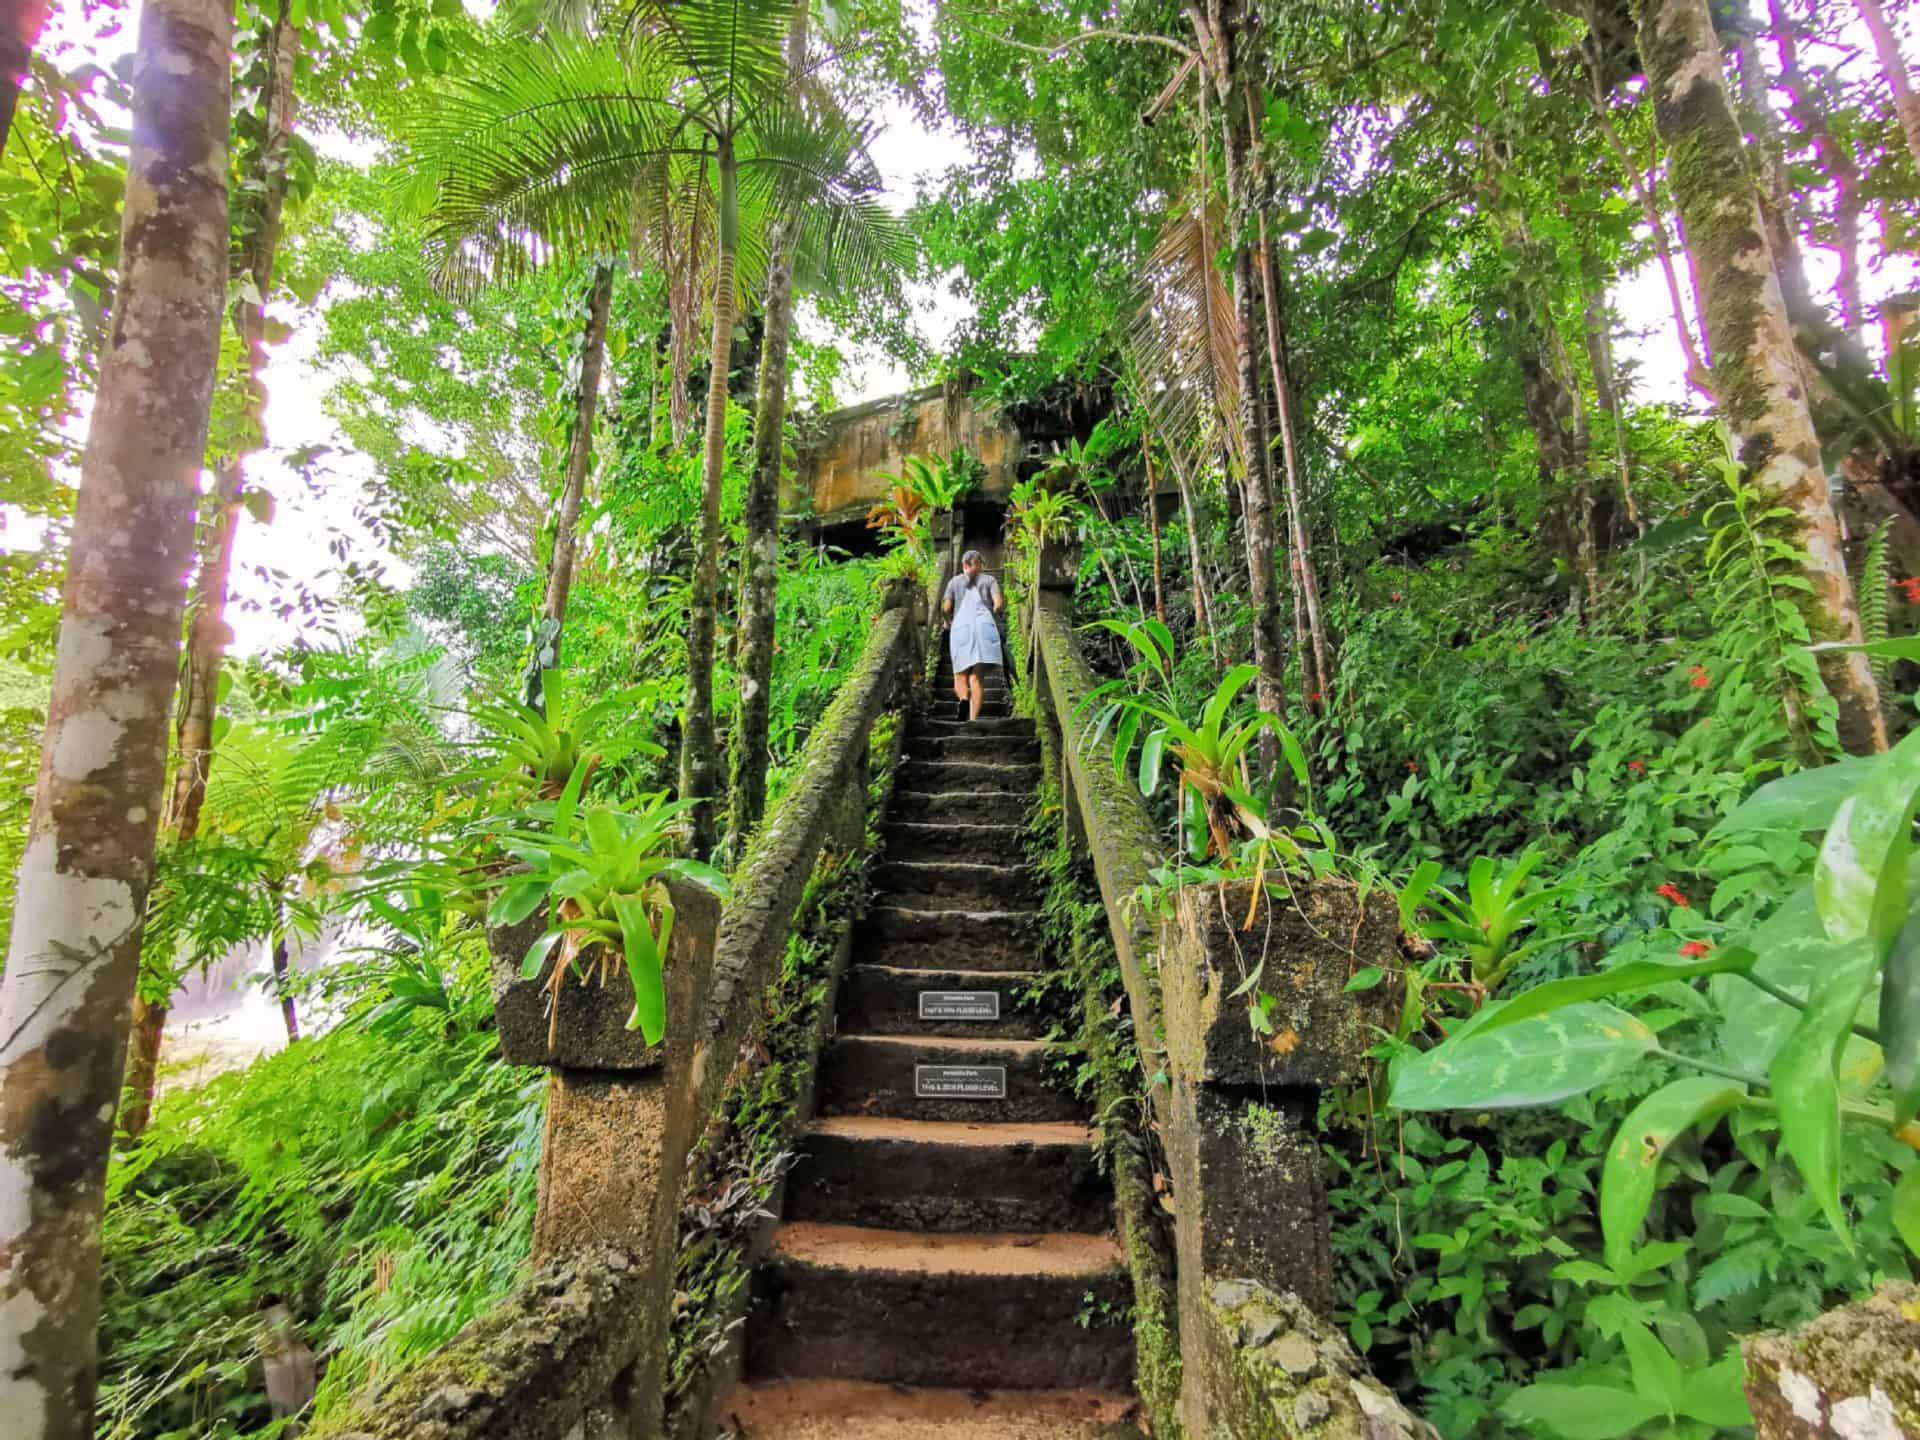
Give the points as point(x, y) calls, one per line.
point(1415, 891)
point(1364, 979)
point(1804, 800)
point(603, 832)
point(1860, 879)
point(1636, 975)
point(1906, 1207)
point(1532, 1062)
point(1578, 1412)
point(1656, 1374)
point(1633, 1159)
point(701, 874)
point(1805, 1079)
point(1900, 1022)
point(1899, 647)
point(535, 959)
point(519, 898)
point(644, 967)
point(1150, 753)
point(1717, 1395)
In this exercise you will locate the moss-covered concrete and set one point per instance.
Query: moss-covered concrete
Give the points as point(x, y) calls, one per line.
point(1270, 1369)
point(1852, 1374)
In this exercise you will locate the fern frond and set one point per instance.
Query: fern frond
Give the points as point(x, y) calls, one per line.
point(1875, 586)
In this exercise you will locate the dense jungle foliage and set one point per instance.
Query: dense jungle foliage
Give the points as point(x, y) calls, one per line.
point(1487, 433)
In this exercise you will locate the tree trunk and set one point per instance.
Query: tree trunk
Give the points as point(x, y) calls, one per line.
point(760, 564)
point(1755, 360)
point(20, 22)
point(1202, 600)
point(593, 351)
point(1153, 526)
point(1263, 590)
point(1835, 156)
point(74, 954)
point(699, 760)
point(282, 970)
point(1304, 575)
point(1886, 45)
point(1778, 209)
point(1606, 390)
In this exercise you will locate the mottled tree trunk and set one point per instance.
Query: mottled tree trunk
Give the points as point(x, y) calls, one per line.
point(1886, 45)
point(75, 948)
point(1778, 208)
point(1755, 362)
point(1835, 156)
point(20, 22)
point(1263, 589)
point(699, 757)
point(760, 564)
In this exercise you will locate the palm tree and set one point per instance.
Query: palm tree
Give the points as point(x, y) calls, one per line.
point(543, 152)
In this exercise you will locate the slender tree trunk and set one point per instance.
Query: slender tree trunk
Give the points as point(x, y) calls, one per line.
point(20, 22)
point(1153, 526)
point(1304, 576)
point(1835, 156)
point(699, 760)
point(1697, 375)
point(1262, 543)
point(573, 493)
point(208, 633)
point(1778, 208)
point(74, 952)
point(760, 564)
point(1606, 389)
point(282, 973)
point(1886, 45)
point(1202, 601)
point(1755, 367)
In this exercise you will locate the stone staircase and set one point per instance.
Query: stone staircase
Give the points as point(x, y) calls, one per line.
point(946, 1265)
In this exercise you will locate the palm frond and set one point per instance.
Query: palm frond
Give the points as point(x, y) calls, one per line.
point(735, 50)
point(1183, 341)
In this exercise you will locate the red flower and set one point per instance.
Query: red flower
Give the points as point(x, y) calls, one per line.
point(1638, 766)
point(1396, 597)
point(1911, 587)
point(1671, 892)
point(1314, 698)
point(1694, 949)
point(1699, 678)
point(1413, 768)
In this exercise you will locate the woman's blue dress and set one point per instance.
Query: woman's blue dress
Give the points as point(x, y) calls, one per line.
point(975, 638)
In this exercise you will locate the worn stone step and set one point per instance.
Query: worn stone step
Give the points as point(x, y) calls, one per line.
point(915, 840)
point(993, 749)
point(979, 883)
point(856, 1410)
point(938, 720)
point(949, 1176)
point(939, 775)
point(885, 1000)
point(994, 941)
point(996, 1310)
point(874, 1075)
point(978, 805)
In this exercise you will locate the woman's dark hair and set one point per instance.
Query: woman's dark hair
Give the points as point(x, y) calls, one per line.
point(973, 557)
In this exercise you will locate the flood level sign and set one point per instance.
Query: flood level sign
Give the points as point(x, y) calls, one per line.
point(959, 1004)
point(960, 1082)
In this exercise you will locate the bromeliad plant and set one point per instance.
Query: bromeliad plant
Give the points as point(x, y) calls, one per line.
point(1818, 1029)
point(550, 747)
point(1492, 920)
point(602, 874)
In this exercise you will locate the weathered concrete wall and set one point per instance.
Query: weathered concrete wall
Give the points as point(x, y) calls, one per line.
point(842, 456)
point(1852, 1374)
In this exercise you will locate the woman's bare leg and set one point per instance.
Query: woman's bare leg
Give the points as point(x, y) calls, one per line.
point(973, 692)
point(959, 684)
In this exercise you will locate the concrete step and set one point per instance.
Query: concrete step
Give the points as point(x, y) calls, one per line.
point(948, 1176)
point(979, 882)
point(915, 840)
point(875, 1075)
point(993, 749)
point(941, 775)
point(985, 941)
point(983, 1310)
point(938, 720)
point(935, 802)
point(886, 1000)
point(855, 1410)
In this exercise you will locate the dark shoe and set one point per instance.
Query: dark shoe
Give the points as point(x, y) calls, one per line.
point(960, 709)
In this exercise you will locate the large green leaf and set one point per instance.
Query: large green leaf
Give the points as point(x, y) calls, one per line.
point(1633, 1159)
point(645, 956)
point(1533, 1062)
point(1805, 800)
point(1906, 1207)
point(1795, 953)
point(1579, 1412)
point(1860, 879)
point(1717, 1395)
point(517, 899)
point(1806, 1082)
point(1900, 1021)
point(1636, 975)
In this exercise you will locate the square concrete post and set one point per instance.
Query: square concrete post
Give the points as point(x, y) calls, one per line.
point(619, 1124)
point(1241, 1134)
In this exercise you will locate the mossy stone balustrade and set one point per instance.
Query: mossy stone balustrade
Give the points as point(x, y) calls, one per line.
point(577, 1350)
point(1852, 1374)
point(1237, 1109)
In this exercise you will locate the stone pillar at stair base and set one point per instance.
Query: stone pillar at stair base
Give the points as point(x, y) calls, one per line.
point(1240, 1115)
point(619, 1127)
point(1851, 1374)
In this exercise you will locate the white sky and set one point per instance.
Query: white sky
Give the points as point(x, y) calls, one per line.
point(297, 541)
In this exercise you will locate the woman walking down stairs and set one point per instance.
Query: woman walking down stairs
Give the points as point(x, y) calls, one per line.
point(946, 1265)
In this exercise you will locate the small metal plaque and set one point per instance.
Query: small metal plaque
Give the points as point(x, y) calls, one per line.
point(960, 1082)
point(959, 1004)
